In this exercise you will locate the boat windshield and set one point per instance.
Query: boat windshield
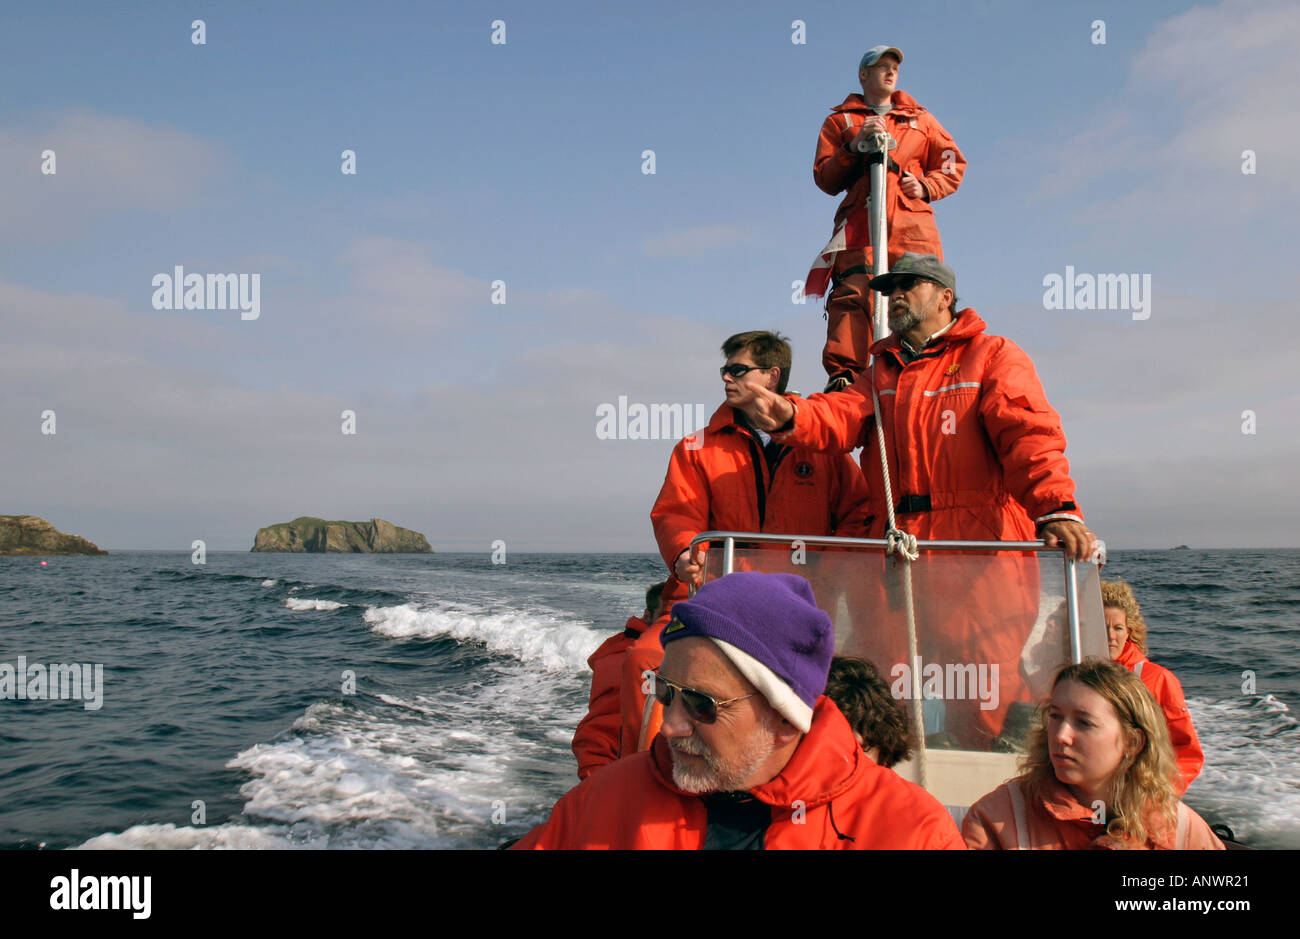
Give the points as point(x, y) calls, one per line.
point(968, 637)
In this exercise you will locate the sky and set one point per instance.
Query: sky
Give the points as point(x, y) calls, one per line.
point(515, 170)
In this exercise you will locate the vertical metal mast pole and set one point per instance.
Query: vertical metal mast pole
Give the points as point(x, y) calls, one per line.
point(878, 147)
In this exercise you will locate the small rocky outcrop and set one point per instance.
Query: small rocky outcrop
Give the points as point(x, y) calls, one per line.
point(28, 534)
point(307, 534)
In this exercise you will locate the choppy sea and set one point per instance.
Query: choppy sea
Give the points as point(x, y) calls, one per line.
point(396, 701)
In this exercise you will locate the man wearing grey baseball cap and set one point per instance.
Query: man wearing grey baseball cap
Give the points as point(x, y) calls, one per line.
point(975, 453)
point(751, 755)
point(925, 167)
point(976, 450)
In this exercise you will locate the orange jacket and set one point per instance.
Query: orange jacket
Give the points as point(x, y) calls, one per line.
point(829, 785)
point(721, 482)
point(641, 714)
point(968, 432)
point(596, 741)
point(924, 149)
point(1167, 691)
point(1058, 822)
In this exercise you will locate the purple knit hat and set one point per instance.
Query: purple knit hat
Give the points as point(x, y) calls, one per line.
point(771, 629)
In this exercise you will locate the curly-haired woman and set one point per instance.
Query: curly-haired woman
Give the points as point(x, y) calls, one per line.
point(1127, 635)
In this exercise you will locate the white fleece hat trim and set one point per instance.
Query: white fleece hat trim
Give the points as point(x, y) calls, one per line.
point(778, 694)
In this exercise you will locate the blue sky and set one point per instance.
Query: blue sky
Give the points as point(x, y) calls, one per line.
point(522, 162)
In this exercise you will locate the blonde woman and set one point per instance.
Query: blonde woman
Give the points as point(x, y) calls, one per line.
point(1126, 632)
point(1099, 773)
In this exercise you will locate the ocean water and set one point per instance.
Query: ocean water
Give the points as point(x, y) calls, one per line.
point(229, 719)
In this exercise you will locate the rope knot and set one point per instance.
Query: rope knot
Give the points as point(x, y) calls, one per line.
point(900, 542)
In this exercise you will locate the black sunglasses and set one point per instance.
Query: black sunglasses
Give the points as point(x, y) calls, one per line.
point(701, 707)
point(903, 282)
point(735, 370)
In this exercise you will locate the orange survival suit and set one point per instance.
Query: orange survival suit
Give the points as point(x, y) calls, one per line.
point(830, 795)
point(596, 741)
point(1057, 821)
point(975, 453)
point(926, 151)
point(1168, 692)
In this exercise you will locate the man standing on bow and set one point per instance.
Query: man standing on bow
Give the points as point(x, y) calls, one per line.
point(924, 167)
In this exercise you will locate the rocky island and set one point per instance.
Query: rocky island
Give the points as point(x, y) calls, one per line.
point(307, 534)
point(28, 534)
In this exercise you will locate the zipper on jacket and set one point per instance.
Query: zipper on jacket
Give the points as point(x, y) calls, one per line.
point(762, 486)
point(760, 463)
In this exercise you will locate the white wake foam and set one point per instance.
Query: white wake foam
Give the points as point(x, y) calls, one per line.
point(546, 639)
point(170, 838)
point(1251, 779)
point(295, 603)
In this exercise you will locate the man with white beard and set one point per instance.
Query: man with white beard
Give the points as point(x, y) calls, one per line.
point(751, 754)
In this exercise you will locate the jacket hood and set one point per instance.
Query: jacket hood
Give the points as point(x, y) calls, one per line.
point(824, 765)
point(968, 324)
point(901, 101)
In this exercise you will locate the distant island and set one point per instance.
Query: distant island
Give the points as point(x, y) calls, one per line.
point(307, 534)
point(28, 534)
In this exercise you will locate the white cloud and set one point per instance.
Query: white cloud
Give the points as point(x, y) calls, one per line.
point(104, 164)
point(1209, 84)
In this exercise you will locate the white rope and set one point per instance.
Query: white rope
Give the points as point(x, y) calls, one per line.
point(900, 542)
point(903, 544)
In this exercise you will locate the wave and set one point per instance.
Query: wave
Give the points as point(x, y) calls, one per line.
point(171, 838)
point(295, 603)
point(448, 769)
point(546, 639)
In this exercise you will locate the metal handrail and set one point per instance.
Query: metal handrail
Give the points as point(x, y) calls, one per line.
point(837, 541)
point(729, 539)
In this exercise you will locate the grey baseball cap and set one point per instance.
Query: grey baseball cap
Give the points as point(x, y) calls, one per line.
point(926, 266)
point(872, 55)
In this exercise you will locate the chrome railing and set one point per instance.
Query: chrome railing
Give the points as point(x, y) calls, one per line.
point(729, 540)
